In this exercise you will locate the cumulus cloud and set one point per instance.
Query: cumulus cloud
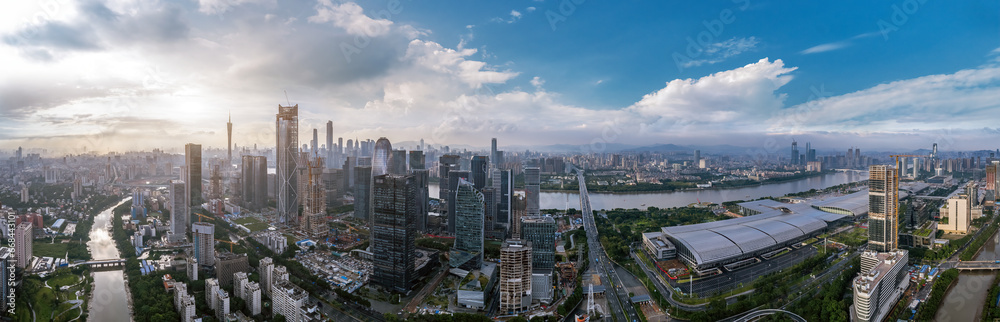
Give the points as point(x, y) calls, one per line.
point(351, 17)
point(740, 95)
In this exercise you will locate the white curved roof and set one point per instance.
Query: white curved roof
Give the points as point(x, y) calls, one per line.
point(780, 231)
point(856, 203)
point(707, 246)
point(749, 240)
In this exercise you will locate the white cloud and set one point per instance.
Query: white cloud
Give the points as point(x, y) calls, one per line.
point(530, 9)
point(720, 51)
point(966, 99)
point(351, 17)
point(435, 57)
point(731, 97)
point(537, 82)
point(825, 47)
point(212, 7)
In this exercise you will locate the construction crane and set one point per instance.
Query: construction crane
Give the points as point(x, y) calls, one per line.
point(229, 242)
point(200, 216)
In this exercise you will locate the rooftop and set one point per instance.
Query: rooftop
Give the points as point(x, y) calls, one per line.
point(886, 261)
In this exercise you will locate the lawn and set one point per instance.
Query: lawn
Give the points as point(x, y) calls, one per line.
point(62, 280)
point(251, 223)
point(44, 249)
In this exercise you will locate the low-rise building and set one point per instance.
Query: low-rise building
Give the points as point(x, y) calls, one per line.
point(658, 246)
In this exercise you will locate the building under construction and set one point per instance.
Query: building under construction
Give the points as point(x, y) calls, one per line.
point(515, 276)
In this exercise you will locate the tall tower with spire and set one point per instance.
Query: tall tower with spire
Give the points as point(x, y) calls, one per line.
point(229, 138)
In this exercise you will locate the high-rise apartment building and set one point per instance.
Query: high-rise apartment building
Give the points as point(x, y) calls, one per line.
point(883, 203)
point(393, 231)
point(515, 276)
point(286, 162)
point(266, 269)
point(289, 300)
point(467, 251)
point(23, 235)
point(192, 160)
point(532, 180)
point(7, 257)
point(203, 235)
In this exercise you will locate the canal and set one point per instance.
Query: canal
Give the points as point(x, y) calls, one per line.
point(964, 301)
point(110, 301)
point(563, 200)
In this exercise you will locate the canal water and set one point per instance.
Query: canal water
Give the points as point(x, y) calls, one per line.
point(964, 301)
point(563, 200)
point(109, 301)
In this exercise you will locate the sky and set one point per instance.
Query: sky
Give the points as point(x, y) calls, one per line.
point(129, 75)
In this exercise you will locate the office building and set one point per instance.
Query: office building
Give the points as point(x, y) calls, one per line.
point(331, 155)
point(794, 158)
point(515, 276)
point(393, 232)
point(192, 160)
point(179, 211)
point(397, 162)
point(23, 236)
point(446, 164)
point(503, 182)
point(417, 160)
point(315, 144)
point(493, 153)
point(876, 289)
point(532, 179)
point(956, 214)
point(362, 193)
point(883, 201)
point(228, 264)
point(314, 190)
point(541, 285)
point(467, 251)
point(697, 156)
point(490, 196)
point(541, 232)
point(454, 177)
point(480, 171)
point(254, 182)
point(287, 161)
point(203, 235)
point(421, 179)
point(380, 158)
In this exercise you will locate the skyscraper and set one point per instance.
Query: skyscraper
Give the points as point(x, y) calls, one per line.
point(192, 159)
point(493, 152)
point(795, 153)
point(515, 276)
point(883, 202)
point(397, 162)
point(179, 210)
point(229, 139)
point(697, 156)
point(254, 185)
point(417, 160)
point(454, 177)
point(331, 162)
point(393, 231)
point(286, 161)
point(203, 234)
point(480, 171)
point(23, 235)
point(532, 179)
point(315, 144)
point(469, 233)
point(363, 193)
point(503, 182)
point(421, 175)
point(380, 157)
point(541, 231)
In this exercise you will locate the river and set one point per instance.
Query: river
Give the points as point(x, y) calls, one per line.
point(563, 200)
point(964, 301)
point(109, 301)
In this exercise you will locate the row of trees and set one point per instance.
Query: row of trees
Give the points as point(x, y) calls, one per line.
point(830, 304)
point(938, 290)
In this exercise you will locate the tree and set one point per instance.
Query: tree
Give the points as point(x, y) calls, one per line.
point(279, 318)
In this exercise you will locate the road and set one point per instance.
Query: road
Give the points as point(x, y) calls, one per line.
point(620, 305)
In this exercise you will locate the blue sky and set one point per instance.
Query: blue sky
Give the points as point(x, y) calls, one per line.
point(124, 74)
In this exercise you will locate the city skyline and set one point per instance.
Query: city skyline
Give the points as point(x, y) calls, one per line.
point(711, 75)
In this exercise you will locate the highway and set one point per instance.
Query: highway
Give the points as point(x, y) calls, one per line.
point(620, 305)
